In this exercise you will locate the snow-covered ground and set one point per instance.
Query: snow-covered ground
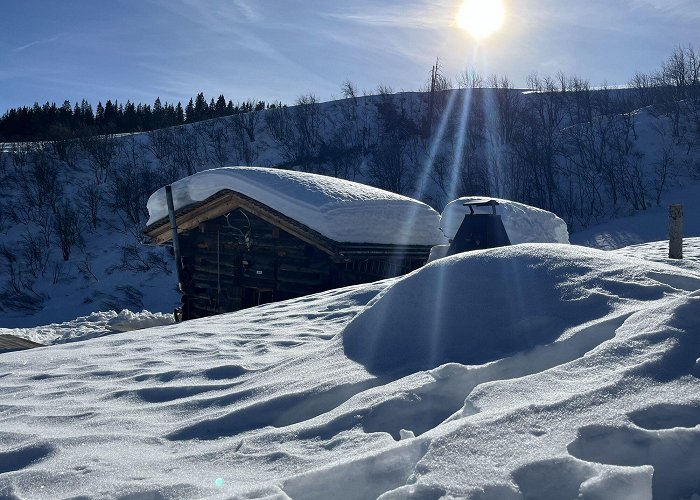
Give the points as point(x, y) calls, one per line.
point(645, 225)
point(532, 371)
point(94, 325)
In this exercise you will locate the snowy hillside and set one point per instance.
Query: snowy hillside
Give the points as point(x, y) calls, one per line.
point(72, 212)
point(534, 371)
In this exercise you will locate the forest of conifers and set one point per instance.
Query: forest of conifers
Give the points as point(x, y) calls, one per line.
point(52, 122)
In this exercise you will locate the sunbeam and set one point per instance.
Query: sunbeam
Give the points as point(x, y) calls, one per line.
point(460, 138)
point(435, 144)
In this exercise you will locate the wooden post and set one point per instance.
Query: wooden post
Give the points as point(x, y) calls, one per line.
point(176, 240)
point(675, 232)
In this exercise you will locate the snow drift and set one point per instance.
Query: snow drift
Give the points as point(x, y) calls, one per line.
point(93, 325)
point(476, 307)
point(523, 223)
point(595, 397)
point(341, 210)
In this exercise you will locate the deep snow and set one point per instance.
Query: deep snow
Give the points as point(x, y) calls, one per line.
point(341, 210)
point(412, 387)
point(313, 398)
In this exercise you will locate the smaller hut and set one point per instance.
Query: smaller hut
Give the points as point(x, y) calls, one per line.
point(250, 236)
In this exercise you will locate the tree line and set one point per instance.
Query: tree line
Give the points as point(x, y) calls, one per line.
point(52, 122)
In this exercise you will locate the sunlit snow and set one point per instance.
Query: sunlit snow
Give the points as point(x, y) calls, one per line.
point(533, 371)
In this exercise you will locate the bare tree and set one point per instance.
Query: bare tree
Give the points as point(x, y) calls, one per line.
point(242, 128)
point(161, 144)
point(643, 90)
point(38, 181)
point(17, 293)
point(539, 144)
point(34, 252)
point(349, 90)
point(90, 196)
point(187, 152)
point(280, 127)
point(308, 123)
point(218, 140)
point(66, 150)
point(101, 151)
point(470, 78)
point(67, 228)
point(246, 122)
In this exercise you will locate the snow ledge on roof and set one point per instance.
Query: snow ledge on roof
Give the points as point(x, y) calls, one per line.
point(341, 210)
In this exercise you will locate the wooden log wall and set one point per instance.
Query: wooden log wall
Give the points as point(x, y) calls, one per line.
point(239, 260)
point(229, 259)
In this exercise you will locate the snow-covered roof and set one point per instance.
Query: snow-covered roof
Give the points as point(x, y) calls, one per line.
point(341, 210)
point(523, 223)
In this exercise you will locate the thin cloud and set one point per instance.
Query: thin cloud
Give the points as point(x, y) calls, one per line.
point(34, 43)
point(247, 10)
point(426, 16)
point(218, 17)
point(685, 9)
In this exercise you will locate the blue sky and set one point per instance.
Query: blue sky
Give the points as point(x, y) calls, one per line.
point(279, 49)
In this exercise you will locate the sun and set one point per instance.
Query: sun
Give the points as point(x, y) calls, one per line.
point(481, 18)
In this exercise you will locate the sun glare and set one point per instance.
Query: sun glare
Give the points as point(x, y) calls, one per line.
point(481, 18)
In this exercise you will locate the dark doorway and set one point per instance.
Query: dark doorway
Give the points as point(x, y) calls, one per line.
point(257, 296)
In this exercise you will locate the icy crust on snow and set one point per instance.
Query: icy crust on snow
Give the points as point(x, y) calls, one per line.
point(344, 211)
point(595, 401)
point(94, 325)
point(523, 223)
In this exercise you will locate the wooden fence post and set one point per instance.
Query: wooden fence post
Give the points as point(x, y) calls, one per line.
point(176, 239)
point(675, 232)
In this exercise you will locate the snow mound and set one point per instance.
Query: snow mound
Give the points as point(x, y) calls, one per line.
point(523, 223)
point(127, 321)
point(341, 210)
point(476, 307)
point(93, 325)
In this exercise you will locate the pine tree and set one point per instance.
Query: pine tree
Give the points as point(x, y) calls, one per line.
point(88, 115)
point(190, 113)
point(179, 114)
point(221, 106)
point(110, 116)
point(158, 115)
point(201, 108)
point(99, 114)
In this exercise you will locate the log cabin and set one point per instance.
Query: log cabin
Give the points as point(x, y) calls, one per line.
point(248, 236)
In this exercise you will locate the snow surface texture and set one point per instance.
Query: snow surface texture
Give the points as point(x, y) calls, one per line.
point(597, 397)
point(523, 223)
point(341, 210)
point(96, 324)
